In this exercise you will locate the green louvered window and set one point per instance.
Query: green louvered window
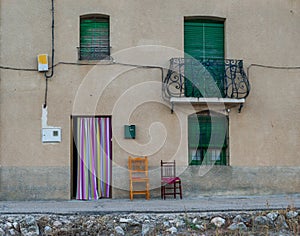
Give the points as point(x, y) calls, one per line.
point(94, 38)
point(204, 41)
point(207, 139)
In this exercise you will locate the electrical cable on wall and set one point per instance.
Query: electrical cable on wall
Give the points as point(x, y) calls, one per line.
point(52, 57)
point(134, 65)
point(15, 68)
point(272, 67)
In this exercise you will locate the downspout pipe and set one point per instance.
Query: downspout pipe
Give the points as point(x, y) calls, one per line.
point(52, 56)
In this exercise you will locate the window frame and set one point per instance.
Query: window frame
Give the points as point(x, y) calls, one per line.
point(205, 153)
point(204, 43)
point(94, 41)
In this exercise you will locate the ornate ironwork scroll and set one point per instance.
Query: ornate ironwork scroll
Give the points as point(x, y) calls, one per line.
point(188, 77)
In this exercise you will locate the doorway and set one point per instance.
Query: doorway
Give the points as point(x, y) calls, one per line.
point(92, 157)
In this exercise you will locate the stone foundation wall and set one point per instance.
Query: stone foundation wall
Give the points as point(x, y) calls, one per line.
point(221, 180)
point(226, 180)
point(34, 183)
point(45, 183)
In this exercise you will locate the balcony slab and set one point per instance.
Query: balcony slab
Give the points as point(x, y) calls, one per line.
point(228, 101)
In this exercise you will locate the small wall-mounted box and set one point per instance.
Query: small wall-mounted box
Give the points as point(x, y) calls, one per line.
point(42, 62)
point(129, 131)
point(51, 135)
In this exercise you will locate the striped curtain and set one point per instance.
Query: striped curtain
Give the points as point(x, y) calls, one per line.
point(93, 142)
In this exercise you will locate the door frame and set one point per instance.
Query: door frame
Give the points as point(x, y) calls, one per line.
point(72, 146)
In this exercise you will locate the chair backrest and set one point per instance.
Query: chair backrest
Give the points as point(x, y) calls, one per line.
point(138, 167)
point(168, 169)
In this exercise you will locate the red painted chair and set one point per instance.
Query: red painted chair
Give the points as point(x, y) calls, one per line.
point(170, 183)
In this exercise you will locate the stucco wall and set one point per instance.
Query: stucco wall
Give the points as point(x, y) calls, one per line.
point(272, 134)
point(265, 134)
point(36, 183)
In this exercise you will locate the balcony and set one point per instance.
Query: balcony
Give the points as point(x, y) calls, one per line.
point(206, 81)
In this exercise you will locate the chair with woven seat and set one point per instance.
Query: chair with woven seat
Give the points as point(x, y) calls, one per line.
point(170, 183)
point(138, 176)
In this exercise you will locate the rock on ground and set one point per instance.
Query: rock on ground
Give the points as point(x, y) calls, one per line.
point(281, 222)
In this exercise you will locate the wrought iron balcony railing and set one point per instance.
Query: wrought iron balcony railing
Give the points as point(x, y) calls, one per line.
point(188, 77)
point(93, 53)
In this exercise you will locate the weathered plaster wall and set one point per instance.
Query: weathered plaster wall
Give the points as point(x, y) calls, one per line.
point(272, 136)
point(265, 136)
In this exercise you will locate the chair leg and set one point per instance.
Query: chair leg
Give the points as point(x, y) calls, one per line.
point(174, 190)
point(180, 190)
point(131, 191)
point(147, 191)
point(175, 186)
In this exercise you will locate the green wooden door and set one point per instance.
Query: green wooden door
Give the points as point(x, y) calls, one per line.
point(204, 43)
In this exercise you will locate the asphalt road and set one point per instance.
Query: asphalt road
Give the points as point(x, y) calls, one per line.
point(140, 205)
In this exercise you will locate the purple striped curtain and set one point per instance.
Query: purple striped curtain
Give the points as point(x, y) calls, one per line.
point(93, 141)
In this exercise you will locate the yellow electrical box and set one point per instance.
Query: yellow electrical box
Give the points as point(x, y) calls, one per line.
point(43, 62)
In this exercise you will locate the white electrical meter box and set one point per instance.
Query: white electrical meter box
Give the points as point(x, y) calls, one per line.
point(42, 62)
point(51, 135)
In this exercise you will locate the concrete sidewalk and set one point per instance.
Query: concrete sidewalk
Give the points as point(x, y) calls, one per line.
point(199, 204)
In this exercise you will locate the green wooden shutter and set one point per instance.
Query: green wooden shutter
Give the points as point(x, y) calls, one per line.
point(94, 38)
point(193, 131)
point(204, 40)
point(202, 136)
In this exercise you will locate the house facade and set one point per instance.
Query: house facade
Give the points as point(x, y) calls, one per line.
point(213, 85)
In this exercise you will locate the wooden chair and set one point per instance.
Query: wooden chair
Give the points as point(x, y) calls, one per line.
point(138, 176)
point(170, 183)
